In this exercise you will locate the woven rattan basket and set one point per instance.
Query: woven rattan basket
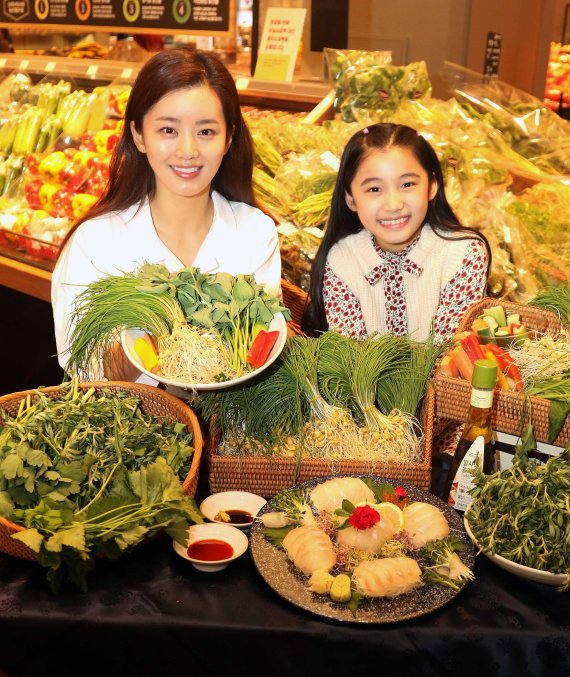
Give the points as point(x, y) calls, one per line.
point(510, 413)
point(267, 476)
point(154, 402)
point(295, 299)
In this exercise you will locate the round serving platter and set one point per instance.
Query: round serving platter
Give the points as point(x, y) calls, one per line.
point(279, 573)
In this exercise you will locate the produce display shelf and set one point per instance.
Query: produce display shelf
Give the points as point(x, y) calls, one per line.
point(88, 73)
point(22, 274)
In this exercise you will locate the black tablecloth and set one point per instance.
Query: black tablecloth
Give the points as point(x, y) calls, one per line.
point(152, 613)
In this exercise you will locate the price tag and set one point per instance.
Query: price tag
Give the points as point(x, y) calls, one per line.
point(314, 231)
point(92, 71)
point(2, 63)
point(50, 67)
point(127, 73)
point(242, 83)
point(331, 160)
point(286, 229)
point(24, 64)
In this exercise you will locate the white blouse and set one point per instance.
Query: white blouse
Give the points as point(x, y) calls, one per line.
point(242, 239)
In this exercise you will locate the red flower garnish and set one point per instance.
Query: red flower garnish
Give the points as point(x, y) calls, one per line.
point(401, 492)
point(364, 517)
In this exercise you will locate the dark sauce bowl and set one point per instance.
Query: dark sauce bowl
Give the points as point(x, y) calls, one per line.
point(240, 507)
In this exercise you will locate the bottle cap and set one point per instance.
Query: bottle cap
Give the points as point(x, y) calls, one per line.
point(484, 374)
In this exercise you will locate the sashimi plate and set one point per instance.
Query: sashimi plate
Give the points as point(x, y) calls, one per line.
point(279, 573)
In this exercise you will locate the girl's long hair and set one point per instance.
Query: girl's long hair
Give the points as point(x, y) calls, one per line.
point(343, 221)
point(131, 178)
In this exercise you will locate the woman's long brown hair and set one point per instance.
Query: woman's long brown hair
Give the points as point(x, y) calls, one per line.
point(131, 178)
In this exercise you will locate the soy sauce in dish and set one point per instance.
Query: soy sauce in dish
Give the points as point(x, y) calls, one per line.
point(210, 550)
point(239, 516)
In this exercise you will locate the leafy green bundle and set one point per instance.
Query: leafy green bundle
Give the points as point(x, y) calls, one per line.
point(89, 475)
point(521, 513)
point(328, 396)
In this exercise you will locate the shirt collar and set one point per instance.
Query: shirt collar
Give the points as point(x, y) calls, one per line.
point(153, 249)
point(393, 262)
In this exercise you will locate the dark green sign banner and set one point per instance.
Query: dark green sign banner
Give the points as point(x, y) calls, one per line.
point(152, 15)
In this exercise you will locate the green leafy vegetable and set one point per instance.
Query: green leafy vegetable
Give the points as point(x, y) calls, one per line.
point(522, 514)
point(89, 475)
point(276, 536)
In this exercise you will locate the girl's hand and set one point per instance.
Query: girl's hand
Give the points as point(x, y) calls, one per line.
point(116, 365)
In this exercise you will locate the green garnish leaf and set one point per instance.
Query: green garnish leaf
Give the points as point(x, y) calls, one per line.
point(354, 603)
point(431, 576)
point(379, 490)
point(557, 414)
point(276, 536)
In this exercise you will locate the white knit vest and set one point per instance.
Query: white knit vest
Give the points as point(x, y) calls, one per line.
point(355, 256)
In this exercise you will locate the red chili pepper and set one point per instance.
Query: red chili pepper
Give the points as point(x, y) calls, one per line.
point(472, 347)
point(507, 364)
point(261, 347)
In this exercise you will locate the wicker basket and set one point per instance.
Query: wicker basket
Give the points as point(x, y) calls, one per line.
point(267, 476)
point(295, 299)
point(155, 402)
point(510, 414)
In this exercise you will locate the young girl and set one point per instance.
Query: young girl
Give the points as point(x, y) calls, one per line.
point(394, 257)
point(179, 194)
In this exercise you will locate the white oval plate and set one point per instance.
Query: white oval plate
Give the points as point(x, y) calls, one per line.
point(129, 336)
point(535, 575)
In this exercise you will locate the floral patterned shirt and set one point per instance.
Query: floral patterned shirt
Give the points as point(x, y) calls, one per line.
point(343, 309)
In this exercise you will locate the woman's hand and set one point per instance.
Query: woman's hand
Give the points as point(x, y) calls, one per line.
point(116, 365)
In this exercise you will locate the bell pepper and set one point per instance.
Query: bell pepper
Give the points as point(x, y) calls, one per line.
point(502, 381)
point(85, 157)
point(73, 176)
point(261, 347)
point(106, 140)
point(46, 194)
point(472, 347)
point(146, 351)
point(32, 164)
point(507, 365)
point(61, 204)
point(82, 202)
point(31, 193)
point(50, 166)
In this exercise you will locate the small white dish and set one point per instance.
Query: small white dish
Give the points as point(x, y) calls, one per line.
point(531, 574)
point(232, 500)
point(213, 532)
point(129, 336)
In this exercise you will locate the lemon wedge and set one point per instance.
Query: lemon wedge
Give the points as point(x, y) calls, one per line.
point(392, 514)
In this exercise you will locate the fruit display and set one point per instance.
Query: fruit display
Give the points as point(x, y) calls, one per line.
point(55, 146)
point(557, 87)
